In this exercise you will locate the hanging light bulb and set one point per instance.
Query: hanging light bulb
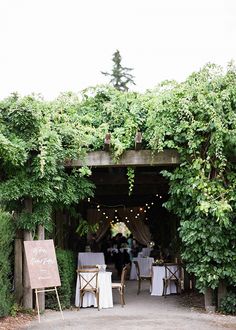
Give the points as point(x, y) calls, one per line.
point(131, 210)
point(89, 199)
point(104, 213)
point(145, 211)
point(106, 217)
point(152, 203)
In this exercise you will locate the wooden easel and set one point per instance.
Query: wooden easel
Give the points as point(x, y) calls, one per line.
point(47, 290)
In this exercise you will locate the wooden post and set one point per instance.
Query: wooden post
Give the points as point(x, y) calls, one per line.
point(221, 292)
point(18, 269)
point(41, 295)
point(27, 295)
point(209, 307)
point(138, 141)
point(107, 142)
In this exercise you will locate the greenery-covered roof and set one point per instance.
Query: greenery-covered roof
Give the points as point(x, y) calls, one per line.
point(196, 117)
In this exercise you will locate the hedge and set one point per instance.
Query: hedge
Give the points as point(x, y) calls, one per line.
point(6, 239)
point(67, 269)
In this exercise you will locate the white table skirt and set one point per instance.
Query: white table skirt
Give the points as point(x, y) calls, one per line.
point(145, 265)
point(157, 281)
point(90, 258)
point(105, 292)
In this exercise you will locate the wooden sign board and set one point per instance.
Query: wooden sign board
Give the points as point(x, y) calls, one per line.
point(42, 264)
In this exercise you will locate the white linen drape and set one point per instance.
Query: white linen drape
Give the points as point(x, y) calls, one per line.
point(137, 225)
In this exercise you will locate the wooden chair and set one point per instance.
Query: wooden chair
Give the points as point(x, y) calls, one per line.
point(173, 275)
point(121, 286)
point(88, 279)
point(141, 277)
point(89, 267)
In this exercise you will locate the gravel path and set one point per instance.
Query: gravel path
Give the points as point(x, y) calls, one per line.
point(141, 311)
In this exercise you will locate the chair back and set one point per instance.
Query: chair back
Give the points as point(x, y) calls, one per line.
point(89, 267)
point(173, 271)
point(137, 268)
point(88, 279)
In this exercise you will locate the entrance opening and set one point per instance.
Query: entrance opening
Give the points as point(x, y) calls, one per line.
point(119, 227)
point(142, 212)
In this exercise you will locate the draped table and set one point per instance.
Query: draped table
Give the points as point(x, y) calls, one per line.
point(105, 292)
point(90, 258)
point(158, 272)
point(145, 265)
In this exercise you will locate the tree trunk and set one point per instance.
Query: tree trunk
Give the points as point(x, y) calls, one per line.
point(27, 296)
point(221, 292)
point(209, 307)
point(41, 295)
point(18, 269)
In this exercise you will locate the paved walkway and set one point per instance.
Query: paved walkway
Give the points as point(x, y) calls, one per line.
point(141, 311)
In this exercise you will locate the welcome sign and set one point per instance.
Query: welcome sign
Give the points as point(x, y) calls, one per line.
point(42, 264)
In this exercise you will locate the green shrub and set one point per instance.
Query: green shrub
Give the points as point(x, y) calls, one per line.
point(6, 238)
point(228, 304)
point(67, 269)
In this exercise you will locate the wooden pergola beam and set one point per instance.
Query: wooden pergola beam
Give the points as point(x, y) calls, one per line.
point(129, 158)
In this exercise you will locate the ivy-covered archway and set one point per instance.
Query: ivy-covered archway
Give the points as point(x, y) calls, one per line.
point(196, 118)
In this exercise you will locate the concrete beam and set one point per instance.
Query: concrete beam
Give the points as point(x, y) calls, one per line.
point(129, 158)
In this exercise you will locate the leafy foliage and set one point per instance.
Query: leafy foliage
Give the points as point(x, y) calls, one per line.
point(66, 266)
point(46, 136)
point(130, 175)
point(196, 117)
point(6, 234)
point(228, 304)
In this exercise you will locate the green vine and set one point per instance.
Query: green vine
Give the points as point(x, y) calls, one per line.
point(196, 117)
point(130, 175)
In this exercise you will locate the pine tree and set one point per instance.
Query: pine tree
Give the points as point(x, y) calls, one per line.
point(120, 76)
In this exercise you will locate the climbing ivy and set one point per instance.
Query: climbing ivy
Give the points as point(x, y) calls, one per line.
point(196, 117)
point(130, 175)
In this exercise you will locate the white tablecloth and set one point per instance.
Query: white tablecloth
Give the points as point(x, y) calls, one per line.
point(157, 281)
point(90, 258)
point(145, 265)
point(105, 292)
